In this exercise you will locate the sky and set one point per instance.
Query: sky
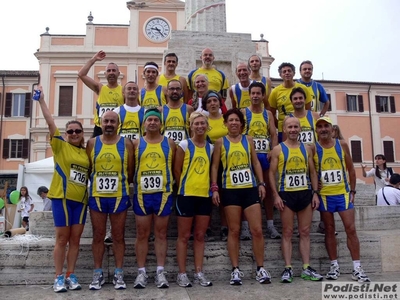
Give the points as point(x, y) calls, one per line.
point(354, 40)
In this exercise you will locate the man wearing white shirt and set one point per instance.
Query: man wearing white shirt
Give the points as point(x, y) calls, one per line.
point(390, 194)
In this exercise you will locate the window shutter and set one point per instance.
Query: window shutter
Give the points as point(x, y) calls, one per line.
point(378, 104)
point(388, 151)
point(6, 148)
point(347, 102)
point(356, 151)
point(65, 101)
point(392, 105)
point(28, 101)
point(25, 148)
point(330, 102)
point(7, 110)
point(360, 103)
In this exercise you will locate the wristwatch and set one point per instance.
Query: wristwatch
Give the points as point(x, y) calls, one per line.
point(353, 191)
point(261, 183)
point(315, 192)
point(321, 115)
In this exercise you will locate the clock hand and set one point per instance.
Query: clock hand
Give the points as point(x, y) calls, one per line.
point(158, 30)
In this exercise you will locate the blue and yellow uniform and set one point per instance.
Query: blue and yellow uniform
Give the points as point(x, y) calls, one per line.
point(331, 169)
point(69, 182)
point(153, 175)
point(152, 99)
point(109, 99)
point(236, 162)
point(196, 168)
point(317, 92)
point(217, 80)
point(241, 96)
point(109, 190)
point(307, 134)
point(130, 121)
point(280, 100)
point(293, 169)
point(216, 129)
point(257, 126)
point(263, 81)
point(175, 122)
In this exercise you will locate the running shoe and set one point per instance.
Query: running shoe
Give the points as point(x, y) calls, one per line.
point(235, 277)
point(141, 280)
point(59, 284)
point(118, 281)
point(160, 280)
point(333, 273)
point(183, 281)
point(359, 275)
point(263, 276)
point(287, 275)
point(201, 279)
point(72, 282)
point(311, 274)
point(97, 282)
point(272, 233)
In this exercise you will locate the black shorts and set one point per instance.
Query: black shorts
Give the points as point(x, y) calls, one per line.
point(25, 219)
point(190, 206)
point(298, 200)
point(240, 197)
point(97, 131)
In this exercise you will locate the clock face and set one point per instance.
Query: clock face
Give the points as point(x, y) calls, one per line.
point(157, 30)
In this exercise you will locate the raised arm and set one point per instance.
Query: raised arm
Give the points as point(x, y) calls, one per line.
point(90, 82)
point(46, 113)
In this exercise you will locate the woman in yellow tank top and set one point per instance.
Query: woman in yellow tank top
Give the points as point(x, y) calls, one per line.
point(192, 165)
point(240, 191)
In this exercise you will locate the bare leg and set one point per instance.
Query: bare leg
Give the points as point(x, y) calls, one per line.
point(99, 221)
point(160, 242)
point(200, 229)
point(118, 233)
point(143, 227)
point(253, 214)
point(330, 239)
point(348, 219)
point(184, 227)
point(304, 218)
point(287, 216)
point(62, 237)
point(233, 216)
point(73, 246)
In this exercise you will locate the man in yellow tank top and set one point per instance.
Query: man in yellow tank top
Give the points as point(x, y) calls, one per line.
point(152, 94)
point(110, 95)
point(130, 114)
point(175, 114)
point(255, 64)
point(338, 180)
point(170, 64)
point(239, 92)
point(111, 164)
point(307, 118)
point(294, 163)
point(260, 125)
point(152, 201)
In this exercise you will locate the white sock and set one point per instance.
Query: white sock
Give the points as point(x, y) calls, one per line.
point(142, 269)
point(270, 223)
point(160, 269)
point(334, 262)
point(356, 264)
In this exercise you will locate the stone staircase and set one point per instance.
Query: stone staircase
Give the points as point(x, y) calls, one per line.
point(29, 259)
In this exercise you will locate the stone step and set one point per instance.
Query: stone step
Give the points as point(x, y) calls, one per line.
point(367, 218)
point(29, 259)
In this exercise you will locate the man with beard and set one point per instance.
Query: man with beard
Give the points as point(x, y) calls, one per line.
point(175, 114)
point(254, 63)
point(170, 64)
point(337, 176)
point(130, 114)
point(217, 80)
point(110, 95)
point(316, 89)
point(239, 92)
point(279, 100)
point(111, 164)
point(151, 95)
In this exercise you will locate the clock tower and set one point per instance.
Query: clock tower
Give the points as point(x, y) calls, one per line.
point(151, 23)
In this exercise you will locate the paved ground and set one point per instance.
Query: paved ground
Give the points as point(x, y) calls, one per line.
point(297, 290)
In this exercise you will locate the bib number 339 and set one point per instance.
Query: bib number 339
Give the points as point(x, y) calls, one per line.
point(240, 177)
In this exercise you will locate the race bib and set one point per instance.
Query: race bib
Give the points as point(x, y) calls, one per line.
point(151, 183)
point(261, 145)
point(296, 181)
point(240, 177)
point(132, 134)
point(175, 135)
point(306, 137)
point(78, 174)
point(107, 182)
point(331, 177)
point(105, 108)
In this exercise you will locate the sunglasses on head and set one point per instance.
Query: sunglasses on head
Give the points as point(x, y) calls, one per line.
point(77, 131)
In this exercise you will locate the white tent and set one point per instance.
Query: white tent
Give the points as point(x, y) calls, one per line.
point(36, 174)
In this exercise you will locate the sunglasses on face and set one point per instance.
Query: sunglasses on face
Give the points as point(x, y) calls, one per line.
point(77, 131)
